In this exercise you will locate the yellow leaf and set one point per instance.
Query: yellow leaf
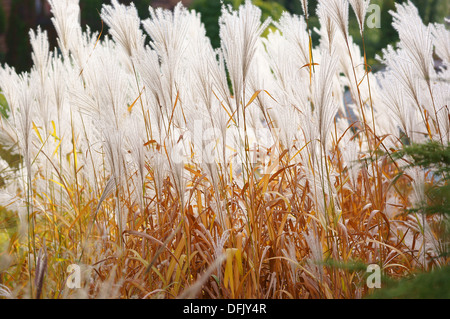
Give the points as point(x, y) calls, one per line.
point(229, 276)
point(228, 268)
point(254, 96)
point(264, 182)
point(131, 106)
point(175, 260)
point(239, 261)
point(37, 132)
point(180, 270)
point(57, 147)
point(139, 258)
point(52, 180)
point(54, 132)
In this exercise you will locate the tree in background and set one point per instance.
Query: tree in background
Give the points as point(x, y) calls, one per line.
point(2, 20)
point(22, 18)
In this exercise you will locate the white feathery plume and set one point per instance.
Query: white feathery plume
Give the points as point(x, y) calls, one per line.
point(430, 246)
point(327, 29)
point(441, 41)
point(350, 155)
point(280, 60)
point(337, 10)
point(9, 80)
point(285, 62)
point(218, 247)
point(9, 135)
point(113, 148)
point(239, 33)
point(159, 168)
point(136, 146)
point(60, 79)
point(114, 151)
point(360, 8)
point(351, 64)
point(441, 91)
point(5, 292)
point(293, 28)
point(168, 31)
point(415, 38)
point(202, 77)
point(316, 252)
point(26, 105)
point(325, 107)
point(156, 83)
point(66, 17)
point(107, 89)
point(398, 106)
point(88, 93)
point(417, 175)
point(40, 54)
point(290, 253)
point(218, 73)
point(288, 121)
point(124, 26)
point(176, 162)
point(405, 74)
point(305, 7)
point(84, 48)
point(42, 115)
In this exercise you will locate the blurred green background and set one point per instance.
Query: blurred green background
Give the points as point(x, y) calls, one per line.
point(19, 16)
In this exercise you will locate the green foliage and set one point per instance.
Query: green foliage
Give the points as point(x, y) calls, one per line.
point(431, 155)
point(14, 160)
point(210, 13)
point(90, 14)
point(17, 38)
point(434, 157)
point(432, 285)
point(4, 108)
point(90, 11)
point(432, 10)
point(349, 265)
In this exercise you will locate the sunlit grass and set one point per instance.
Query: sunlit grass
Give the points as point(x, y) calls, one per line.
point(97, 183)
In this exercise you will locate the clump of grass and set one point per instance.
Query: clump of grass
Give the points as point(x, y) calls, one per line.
point(434, 157)
point(144, 168)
